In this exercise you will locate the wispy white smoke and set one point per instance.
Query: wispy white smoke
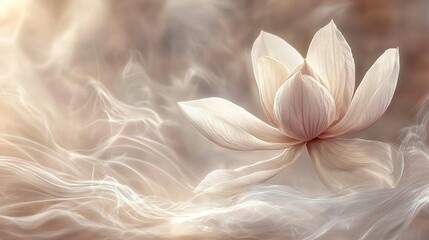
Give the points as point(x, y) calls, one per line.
point(119, 189)
point(97, 149)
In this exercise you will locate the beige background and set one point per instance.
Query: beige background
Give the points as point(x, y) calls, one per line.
point(93, 145)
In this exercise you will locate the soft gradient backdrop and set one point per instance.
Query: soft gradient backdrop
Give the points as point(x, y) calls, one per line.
point(93, 145)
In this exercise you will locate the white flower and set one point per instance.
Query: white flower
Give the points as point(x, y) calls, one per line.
point(310, 103)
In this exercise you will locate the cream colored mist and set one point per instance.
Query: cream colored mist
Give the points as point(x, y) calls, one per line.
point(94, 146)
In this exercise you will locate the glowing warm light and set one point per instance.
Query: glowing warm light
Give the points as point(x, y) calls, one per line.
point(94, 146)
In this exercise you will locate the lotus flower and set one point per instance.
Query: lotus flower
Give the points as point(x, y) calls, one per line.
point(310, 103)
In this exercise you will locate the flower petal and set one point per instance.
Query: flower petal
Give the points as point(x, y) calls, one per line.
point(345, 163)
point(230, 126)
point(272, 74)
point(231, 181)
point(372, 97)
point(303, 107)
point(331, 57)
point(268, 44)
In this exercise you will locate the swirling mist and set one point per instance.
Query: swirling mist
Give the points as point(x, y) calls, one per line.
point(93, 145)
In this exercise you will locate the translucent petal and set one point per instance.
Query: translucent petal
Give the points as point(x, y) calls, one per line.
point(303, 107)
point(372, 97)
point(331, 57)
point(272, 74)
point(231, 181)
point(270, 45)
point(230, 126)
point(346, 163)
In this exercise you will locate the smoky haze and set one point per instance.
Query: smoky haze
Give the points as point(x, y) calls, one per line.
point(94, 146)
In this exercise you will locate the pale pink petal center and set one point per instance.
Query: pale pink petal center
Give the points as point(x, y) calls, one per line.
point(303, 107)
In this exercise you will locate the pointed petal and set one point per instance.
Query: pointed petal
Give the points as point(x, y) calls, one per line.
point(345, 163)
point(331, 57)
point(270, 45)
point(303, 107)
point(372, 97)
point(231, 181)
point(272, 74)
point(230, 126)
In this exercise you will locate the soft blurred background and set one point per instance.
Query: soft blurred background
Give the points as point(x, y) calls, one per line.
point(93, 144)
